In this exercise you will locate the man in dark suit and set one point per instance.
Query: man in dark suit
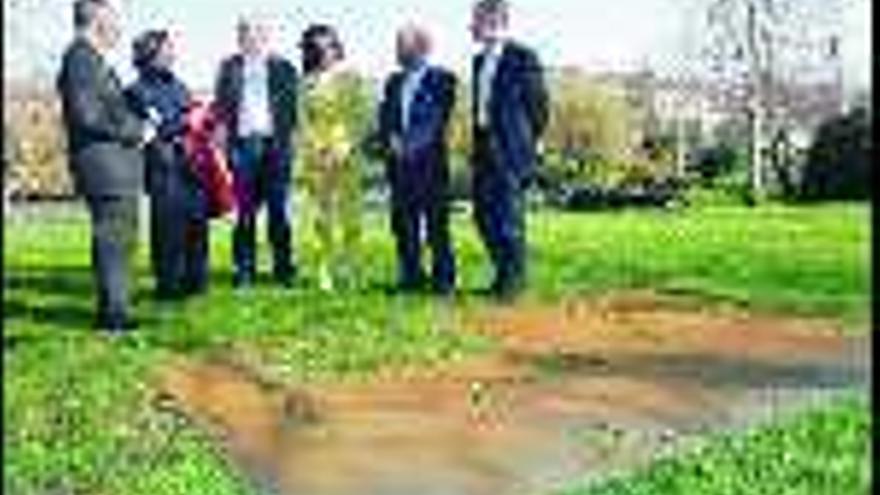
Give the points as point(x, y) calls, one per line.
point(256, 95)
point(104, 137)
point(509, 116)
point(414, 117)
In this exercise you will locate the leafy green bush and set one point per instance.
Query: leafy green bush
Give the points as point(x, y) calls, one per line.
point(715, 162)
point(839, 161)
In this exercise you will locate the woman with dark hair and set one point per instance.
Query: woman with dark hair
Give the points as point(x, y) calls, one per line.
point(178, 206)
point(334, 113)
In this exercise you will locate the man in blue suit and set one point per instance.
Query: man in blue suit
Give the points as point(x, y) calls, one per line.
point(509, 116)
point(414, 117)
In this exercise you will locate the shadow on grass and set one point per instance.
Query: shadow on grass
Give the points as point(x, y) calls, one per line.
point(61, 296)
point(61, 315)
point(58, 296)
point(69, 281)
point(12, 343)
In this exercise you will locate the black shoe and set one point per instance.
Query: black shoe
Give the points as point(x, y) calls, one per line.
point(240, 281)
point(286, 279)
point(168, 295)
point(443, 290)
point(196, 290)
point(506, 291)
point(409, 287)
point(116, 325)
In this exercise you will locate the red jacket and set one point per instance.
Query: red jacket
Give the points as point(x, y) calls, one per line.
point(207, 159)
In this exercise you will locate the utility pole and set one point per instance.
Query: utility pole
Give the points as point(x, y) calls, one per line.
point(836, 61)
point(680, 133)
point(755, 102)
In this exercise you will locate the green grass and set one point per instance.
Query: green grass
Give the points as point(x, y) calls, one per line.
point(75, 415)
point(820, 452)
point(793, 260)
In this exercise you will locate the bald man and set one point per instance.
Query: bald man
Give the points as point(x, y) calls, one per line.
point(414, 118)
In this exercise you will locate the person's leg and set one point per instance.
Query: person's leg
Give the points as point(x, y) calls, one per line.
point(197, 256)
point(322, 221)
point(349, 210)
point(243, 160)
point(520, 236)
point(440, 240)
point(114, 240)
point(171, 217)
point(100, 267)
point(277, 162)
point(196, 241)
point(157, 244)
point(437, 212)
point(509, 223)
point(486, 216)
point(405, 223)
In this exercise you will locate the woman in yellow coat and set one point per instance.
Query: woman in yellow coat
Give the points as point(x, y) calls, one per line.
point(334, 114)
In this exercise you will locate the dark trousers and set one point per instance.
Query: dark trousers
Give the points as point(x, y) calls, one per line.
point(261, 169)
point(499, 212)
point(419, 210)
point(178, 244)
point(178, 223)
point(114, 222)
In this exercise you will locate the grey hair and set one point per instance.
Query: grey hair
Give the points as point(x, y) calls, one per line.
point(501, 7)
point(85, 11)
point(252, 20)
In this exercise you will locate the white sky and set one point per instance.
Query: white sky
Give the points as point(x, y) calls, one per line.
point(597, 35)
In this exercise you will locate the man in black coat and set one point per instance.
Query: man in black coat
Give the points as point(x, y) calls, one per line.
point(509, 116)
point(256, 94)
point(414, 117)
point(104, 140)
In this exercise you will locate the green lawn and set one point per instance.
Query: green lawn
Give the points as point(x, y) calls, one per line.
point(74, 415)
point(821, 452)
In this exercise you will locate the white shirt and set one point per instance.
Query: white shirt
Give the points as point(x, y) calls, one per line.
point(411, 84)
point(485, 79)
point(255, 114)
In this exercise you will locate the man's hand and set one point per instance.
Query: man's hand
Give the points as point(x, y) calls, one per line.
point(151, 126)
point(397, 150)
point(540, 147)
point(153, 116)
point(149, 133)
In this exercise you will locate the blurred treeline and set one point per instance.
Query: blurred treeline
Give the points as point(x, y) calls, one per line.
point(602, 137)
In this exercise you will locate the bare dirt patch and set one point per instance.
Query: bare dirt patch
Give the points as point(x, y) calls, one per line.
point(584, 386)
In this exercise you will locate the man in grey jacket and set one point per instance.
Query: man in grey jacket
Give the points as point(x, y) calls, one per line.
point(104, 141)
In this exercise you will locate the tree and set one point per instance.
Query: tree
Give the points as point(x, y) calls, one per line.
point(588, 117)
point(758, 47)
point(32, 41)
point(839, 161)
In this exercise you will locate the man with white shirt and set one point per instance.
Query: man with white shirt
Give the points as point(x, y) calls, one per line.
point(414, 120)
point(256, 94)
point(509, 116)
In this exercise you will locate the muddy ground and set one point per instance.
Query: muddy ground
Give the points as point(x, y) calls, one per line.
point(582, 388)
